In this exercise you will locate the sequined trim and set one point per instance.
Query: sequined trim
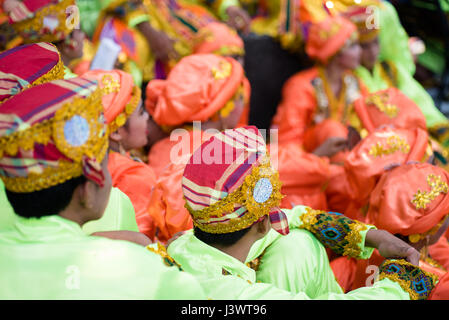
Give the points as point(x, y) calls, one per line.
point(243, 196)
point(393, 144)
point(223, 71)
point(422, 198)
point(54, 129)
point(34, 29)
point(335, 231)
point(131, 106)
point(419, 236)
point(415, 281)
point(56, 73)
point(380, 101)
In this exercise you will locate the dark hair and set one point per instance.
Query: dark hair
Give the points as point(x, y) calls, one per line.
point(44, 202)
point(224, 239)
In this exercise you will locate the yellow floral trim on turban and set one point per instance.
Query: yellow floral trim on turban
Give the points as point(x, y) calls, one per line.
point(230, 51)
point(380, 102)
point(242, 196)
point(327, 34)
point(36, 23)
point(414, 238)
point(130, 107)
point(223, 71)
point(421, 198)
point(230, 105)
point(393, 144)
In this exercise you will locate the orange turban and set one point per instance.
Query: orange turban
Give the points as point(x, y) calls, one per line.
point(384, 147)
point(196, 88)
point(121, 97)
point(389, 106)
point(219, 39)
point(327, 37)
point(410, 200)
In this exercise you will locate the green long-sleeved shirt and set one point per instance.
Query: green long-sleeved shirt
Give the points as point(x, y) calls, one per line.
point(302, 273)
point(119, 214)
point(53, 258)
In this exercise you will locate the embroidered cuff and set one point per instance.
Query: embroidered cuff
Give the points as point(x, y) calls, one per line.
point(415, 281)
point(337, 232)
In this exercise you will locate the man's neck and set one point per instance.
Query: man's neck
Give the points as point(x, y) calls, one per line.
point(239, 250)
point(334, 72)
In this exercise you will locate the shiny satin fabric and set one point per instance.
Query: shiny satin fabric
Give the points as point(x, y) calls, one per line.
point(136, 180)
point(327, 37)
point(441, 291)
point(118, 215)
point(304, 275)
point(218, 38)
point(440, 252)
point(393, 39)
point(317, 134)
point(197, 87)
point(406, 113)
point(166, 203)
point(364, 166)
point(119, 86)
point(52, 258)
point(391, 206)
point(304, 176)
point(293, 116)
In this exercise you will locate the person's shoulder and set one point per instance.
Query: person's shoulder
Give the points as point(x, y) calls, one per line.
point(301, 80)
point(304, 75)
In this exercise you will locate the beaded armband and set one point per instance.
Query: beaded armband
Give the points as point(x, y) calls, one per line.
point(335, 231)
point(162, 251)
point(417, 282)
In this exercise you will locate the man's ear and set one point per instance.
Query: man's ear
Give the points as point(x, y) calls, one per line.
point(264, 225)
point(116, 136)
point(86, 193)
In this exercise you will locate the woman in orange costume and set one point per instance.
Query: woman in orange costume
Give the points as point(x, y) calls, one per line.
point(411, 202)
point(127, 122)
point(316, 106)
point(202, 87)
